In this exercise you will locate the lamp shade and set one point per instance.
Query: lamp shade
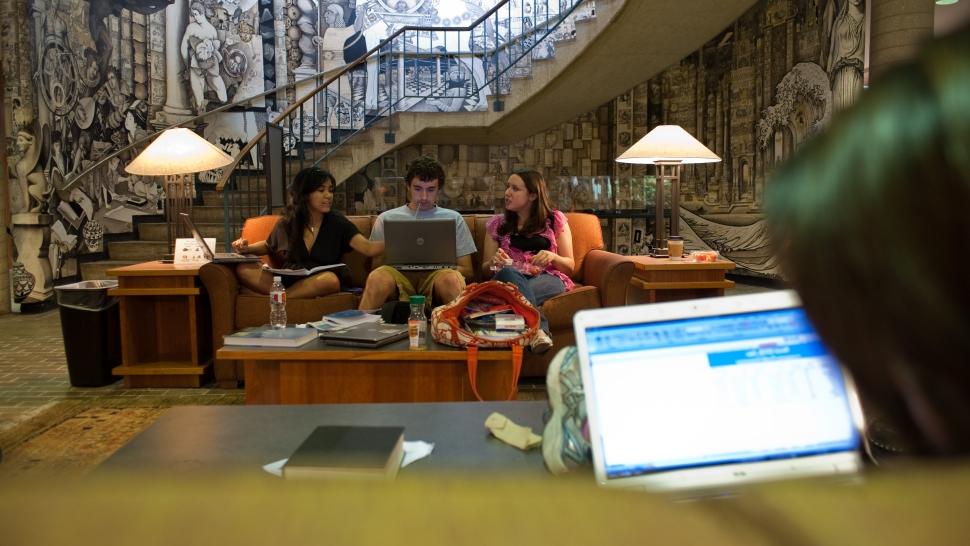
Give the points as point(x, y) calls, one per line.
point(668, 143)
point(178, 151)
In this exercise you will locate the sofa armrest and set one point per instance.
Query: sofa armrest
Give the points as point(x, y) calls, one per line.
point(610, 273)
point(222, 286)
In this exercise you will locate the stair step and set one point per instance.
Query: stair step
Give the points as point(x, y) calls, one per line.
point(93, 271)
point(138, 251)
point(248, 184)
point(216, 214)
point(215, 198)
point(159, 231)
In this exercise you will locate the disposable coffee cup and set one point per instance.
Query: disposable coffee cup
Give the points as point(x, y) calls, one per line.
point(675, 246)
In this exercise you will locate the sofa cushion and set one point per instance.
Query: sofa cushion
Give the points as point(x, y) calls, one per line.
point(257, 229)
point(476, 224)
point(587, 235)
point(358, 264)
point(559, 310)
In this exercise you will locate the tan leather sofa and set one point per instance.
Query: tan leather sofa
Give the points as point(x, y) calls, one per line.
point(601, 281)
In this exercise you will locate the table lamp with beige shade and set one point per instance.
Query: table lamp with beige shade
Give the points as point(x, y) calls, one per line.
point(176, 154)
point(668, 147)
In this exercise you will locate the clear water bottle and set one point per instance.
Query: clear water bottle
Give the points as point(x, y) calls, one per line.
point(277, 304)
point(418, 324)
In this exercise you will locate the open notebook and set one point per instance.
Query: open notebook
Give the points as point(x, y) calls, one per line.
point(707, 394)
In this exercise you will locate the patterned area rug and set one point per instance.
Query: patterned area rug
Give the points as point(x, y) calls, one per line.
point(72, 438)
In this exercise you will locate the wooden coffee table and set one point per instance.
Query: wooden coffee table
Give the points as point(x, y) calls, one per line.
point(317, 373)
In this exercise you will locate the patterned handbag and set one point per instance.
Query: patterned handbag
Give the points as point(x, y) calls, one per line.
point(447, 327)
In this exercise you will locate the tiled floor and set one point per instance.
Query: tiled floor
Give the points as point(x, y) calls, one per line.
point(33, 372)
point(33, 369)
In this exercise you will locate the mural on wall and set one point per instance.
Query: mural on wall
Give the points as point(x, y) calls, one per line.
point(222, 53)
point(230, 132)
point(93, 83)
point(752, 95)
point(571, 157)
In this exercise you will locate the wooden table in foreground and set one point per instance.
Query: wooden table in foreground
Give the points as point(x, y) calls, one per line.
point(317, 373)
point(662, 279)
point(165, 325)
point(207, 439)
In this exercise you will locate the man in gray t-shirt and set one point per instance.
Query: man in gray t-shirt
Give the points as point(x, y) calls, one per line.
point(425, 177)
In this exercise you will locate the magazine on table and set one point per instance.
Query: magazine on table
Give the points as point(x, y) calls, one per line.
point(348, 317)
point(304, 272)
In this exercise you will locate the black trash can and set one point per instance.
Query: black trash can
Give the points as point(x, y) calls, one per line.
point(92, 332)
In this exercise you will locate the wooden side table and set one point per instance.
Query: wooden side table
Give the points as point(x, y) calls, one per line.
point(662, 279)
point(165, 325)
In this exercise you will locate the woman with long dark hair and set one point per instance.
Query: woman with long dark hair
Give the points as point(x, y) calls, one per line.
point(530, 245)
point(309, 234)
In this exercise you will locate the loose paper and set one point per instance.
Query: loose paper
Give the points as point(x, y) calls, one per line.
point(188, 252)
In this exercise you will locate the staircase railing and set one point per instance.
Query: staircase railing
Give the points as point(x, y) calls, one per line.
point(437, 68)
point(133, 149)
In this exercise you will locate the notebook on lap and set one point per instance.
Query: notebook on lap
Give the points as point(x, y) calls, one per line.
point(708, 394)
point(368, 334)
point(420, 245)
point(216, 257)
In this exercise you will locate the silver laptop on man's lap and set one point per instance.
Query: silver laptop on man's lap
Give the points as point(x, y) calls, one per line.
point(420, 245)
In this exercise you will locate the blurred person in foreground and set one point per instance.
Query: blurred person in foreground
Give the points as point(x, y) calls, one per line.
point(870, 219)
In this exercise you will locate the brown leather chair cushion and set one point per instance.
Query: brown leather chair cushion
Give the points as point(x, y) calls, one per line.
point(587, 235)
point(258, 229)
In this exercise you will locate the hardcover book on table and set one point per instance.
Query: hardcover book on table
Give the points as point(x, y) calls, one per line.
point(270, 337)
point(348, 452)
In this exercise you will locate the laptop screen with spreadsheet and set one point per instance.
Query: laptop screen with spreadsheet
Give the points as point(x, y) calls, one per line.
point(723, 389)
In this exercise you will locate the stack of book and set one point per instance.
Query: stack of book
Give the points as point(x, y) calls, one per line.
point(264, 336)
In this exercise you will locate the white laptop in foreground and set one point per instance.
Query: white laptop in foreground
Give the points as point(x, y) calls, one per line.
point(708, 394)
